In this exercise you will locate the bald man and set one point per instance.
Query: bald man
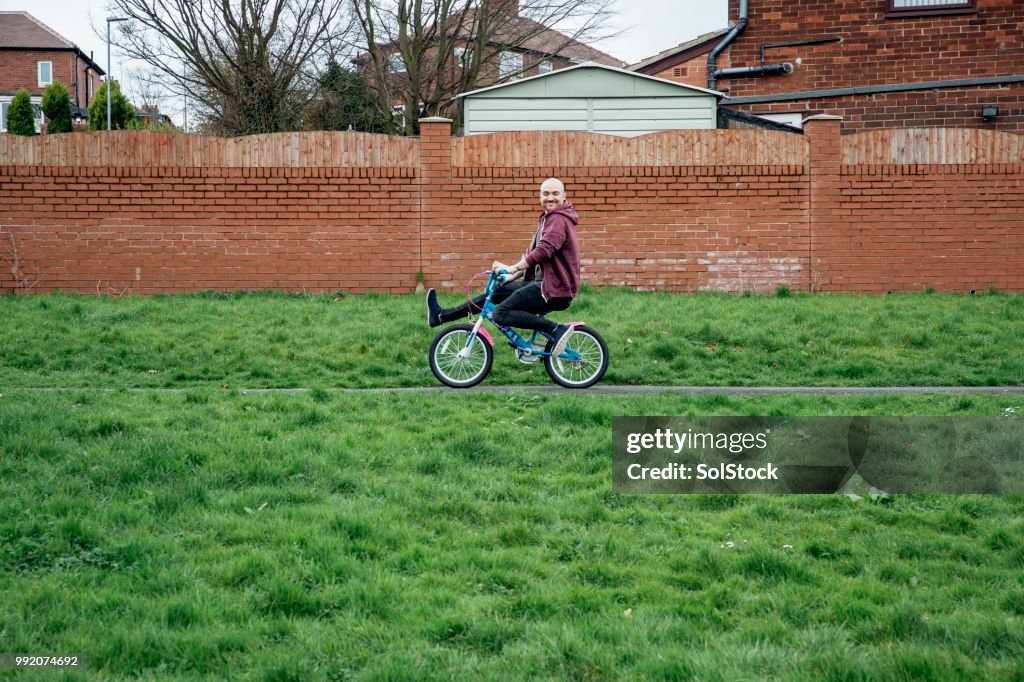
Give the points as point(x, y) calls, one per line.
point(544, 280)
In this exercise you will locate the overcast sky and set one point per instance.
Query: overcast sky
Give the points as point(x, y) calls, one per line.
point(650, 26)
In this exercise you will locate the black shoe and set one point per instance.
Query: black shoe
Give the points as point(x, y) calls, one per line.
point(561, 337)
point(433, 309)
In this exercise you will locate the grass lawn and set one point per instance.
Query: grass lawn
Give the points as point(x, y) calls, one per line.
point(214, 534)
point(277, 340)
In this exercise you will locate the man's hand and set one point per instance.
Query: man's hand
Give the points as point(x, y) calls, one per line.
point(498, 266)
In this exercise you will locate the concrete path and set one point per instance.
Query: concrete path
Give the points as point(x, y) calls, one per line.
point(600, 389)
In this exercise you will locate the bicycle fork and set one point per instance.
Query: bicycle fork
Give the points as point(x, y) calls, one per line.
point(478, 328)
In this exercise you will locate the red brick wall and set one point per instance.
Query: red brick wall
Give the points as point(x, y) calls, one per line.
point(907, 228)
point(133, 230)
point(904, 227)
point(731, 227)
point(881, 50)
point(685, 229)
point(693, 72)
point(946, 108)
point(19, 69)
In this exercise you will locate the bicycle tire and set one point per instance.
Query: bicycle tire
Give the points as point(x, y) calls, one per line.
point(457, 372)
point(589, 369)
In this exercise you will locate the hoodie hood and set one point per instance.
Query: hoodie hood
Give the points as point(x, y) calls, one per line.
point(566, 210)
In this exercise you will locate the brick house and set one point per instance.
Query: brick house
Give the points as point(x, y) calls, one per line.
point(33, 55)
point(876, 63)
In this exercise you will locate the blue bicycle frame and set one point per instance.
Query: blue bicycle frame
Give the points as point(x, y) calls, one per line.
point(514, 338)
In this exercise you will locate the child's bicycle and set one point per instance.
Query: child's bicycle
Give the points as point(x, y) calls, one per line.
point(461, 355)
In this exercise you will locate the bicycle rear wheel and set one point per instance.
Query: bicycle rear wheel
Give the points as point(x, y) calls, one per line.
point(455, 364)
point(585, 371)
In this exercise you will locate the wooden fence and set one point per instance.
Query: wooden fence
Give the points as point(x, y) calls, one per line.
point(673, 148)
point(932, 146)
point(135, 149)
point(144, 149)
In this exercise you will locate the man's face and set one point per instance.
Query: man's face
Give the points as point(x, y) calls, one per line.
point(552, 195)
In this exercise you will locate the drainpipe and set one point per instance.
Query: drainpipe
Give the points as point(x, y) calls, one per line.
point(731, 36)
point(769, 70)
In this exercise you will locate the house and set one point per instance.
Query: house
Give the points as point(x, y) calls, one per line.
point(518, 47)
point(150, 116)
point(875, 63)
point(589, 98)
point(33, 55)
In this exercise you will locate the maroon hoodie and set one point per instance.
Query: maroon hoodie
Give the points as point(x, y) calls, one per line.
point(554, 248)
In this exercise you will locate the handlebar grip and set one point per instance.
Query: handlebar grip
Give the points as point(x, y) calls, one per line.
point(502, 276)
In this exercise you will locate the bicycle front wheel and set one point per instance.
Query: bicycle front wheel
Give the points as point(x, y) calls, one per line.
point(457, 364)
point(588, 368)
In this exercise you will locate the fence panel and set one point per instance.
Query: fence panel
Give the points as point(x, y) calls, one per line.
point(144, 149)
point(932, 146)
point(671, 148)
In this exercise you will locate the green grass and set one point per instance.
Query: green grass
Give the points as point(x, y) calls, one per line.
point(212, 534)
point(279, 340)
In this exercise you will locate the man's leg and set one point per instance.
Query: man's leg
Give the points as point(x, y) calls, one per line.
point(436, 315)
point(522, 309)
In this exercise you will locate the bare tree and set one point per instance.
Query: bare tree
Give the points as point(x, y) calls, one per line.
point(407, 47)
point(248, 64)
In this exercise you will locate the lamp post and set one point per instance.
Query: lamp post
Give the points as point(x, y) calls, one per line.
point(110, 20)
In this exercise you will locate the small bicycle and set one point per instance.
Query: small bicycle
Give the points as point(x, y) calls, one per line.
point(461, 355)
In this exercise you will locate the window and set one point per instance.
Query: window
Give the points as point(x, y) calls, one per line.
point(511, 64)
point(795, 119)
point(37, 113)
point(45, 73)
point(900, 8)
point(544, 67)
point(395, 63)
point(463, 56)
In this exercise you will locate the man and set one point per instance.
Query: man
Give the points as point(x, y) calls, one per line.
point(545, 279)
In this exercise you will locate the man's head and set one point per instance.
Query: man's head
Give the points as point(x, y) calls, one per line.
point(552, 194)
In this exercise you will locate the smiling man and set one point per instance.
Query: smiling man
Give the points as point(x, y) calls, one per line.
point(544, 280)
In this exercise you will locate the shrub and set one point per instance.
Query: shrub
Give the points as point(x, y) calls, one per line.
point(122, 113)
point(21, 118)
point(57, 108)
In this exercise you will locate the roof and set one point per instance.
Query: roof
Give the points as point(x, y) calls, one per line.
point(548, 41)
point(682, 47)
point(22, 30)
point(543, 40)
point(560, 73)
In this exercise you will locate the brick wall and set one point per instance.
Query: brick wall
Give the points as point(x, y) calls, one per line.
point(694, 210)
point(876, 49)
point(117, 230)
point(693, 72)
point(946, 108)
point(19, 69)
point(879, 50)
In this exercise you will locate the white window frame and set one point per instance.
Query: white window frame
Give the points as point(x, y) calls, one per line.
point(510, 64)
point(791, 118)
point(463, 56)
point(37, 111)
point(395, 63)
point(927, 4)
point(896, 8)
point(39, 73)
point(545, 66)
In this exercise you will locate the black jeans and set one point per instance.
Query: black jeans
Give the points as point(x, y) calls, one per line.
point(519, 304)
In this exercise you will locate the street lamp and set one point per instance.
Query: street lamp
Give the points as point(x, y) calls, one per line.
point(110, 20)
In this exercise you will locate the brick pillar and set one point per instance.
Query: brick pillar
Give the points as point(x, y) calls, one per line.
point(435, 189)
point(825, 220)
